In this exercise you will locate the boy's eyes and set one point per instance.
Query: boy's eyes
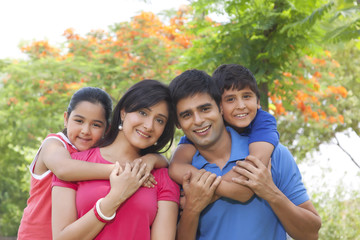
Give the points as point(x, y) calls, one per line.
point(143, 113)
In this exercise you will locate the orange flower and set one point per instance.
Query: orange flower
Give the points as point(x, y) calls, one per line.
point(287, 74)
point(341, 119)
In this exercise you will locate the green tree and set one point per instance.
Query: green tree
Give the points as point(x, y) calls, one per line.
point(35, 92)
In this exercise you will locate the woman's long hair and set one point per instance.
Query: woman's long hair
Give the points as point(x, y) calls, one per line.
point(143, 94)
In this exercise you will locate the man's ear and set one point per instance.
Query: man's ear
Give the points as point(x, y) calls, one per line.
point(258, 104)
point(178, 126)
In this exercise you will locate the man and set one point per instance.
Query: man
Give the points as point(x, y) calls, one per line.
point(280, 204)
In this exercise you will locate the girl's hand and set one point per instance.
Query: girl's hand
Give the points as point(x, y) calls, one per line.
point(150, 182)
point(126, 181)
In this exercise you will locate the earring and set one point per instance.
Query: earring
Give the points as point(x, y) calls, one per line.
point(155, 143)
point(120, 127)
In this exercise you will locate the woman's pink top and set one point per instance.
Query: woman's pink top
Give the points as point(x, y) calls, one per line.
point(135, 216)
point(36, 219)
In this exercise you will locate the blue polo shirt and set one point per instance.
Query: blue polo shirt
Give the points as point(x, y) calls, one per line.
point(229, 219)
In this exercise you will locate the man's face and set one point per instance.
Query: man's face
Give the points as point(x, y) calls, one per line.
point(200, 119)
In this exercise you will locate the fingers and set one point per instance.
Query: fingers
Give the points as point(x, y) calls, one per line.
point(186, 178)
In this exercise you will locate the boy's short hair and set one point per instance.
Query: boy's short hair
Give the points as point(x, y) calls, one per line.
point(235, 76)
point(192, 82)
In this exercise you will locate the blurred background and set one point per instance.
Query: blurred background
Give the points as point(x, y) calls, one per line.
point(304, 54)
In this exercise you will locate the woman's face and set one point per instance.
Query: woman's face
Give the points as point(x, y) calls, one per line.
point(144, 127)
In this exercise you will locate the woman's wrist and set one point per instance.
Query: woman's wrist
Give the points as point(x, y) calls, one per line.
point(100, 215)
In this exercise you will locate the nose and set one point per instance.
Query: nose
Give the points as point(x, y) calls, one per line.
point(241, 104)
point(198, 120)
point(85, 129)
point(149, 124)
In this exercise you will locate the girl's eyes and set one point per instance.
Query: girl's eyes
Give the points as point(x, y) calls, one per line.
point(97, 125)
point(78, 120)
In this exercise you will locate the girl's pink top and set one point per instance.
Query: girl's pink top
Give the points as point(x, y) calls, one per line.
point(36, 219)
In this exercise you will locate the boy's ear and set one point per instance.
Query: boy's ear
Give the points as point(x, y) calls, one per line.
point(221, 109)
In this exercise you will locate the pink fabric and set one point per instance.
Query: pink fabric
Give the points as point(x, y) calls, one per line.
point(134, 217)
point(36, 219)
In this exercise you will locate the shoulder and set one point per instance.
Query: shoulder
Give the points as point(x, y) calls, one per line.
point(85, 155)
point(167, 189)
point(264, 116)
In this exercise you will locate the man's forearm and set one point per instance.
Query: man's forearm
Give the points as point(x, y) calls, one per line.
point(300, 222)
point(187, 225)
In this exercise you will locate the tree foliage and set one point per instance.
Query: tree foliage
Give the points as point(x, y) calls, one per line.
point(35, 92)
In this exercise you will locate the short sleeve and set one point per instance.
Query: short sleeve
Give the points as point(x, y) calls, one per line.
point(168, 190)
point(288, 179)
point(264, 129)
point(60, 183)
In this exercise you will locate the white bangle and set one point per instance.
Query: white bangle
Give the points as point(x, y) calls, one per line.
point(97, 206)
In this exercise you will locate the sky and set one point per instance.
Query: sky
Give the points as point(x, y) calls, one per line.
point(27, 20)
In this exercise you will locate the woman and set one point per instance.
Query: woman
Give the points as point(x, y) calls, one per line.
point(142, 123)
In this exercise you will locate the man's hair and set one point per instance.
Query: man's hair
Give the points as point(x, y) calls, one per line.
point(235, 76)
point(192, 82)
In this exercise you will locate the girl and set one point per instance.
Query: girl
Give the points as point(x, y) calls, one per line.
point(142, 123)
point(85, 121)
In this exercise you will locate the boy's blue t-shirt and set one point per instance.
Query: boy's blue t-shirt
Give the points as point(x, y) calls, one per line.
point(262, 128)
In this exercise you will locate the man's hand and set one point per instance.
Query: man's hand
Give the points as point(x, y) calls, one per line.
point(199, 189)
point(258, 176)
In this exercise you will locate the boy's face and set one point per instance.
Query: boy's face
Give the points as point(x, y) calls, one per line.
point(239, 107)
point(200, 119)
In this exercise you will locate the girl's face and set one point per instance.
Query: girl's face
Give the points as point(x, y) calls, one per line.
point(144, 127)
point(85, 125)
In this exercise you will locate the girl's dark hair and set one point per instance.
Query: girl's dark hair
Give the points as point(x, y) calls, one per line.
point(143, 94)
point(93, 95)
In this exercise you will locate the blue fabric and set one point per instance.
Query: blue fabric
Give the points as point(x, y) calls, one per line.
point(262, 129)
point(229, 219)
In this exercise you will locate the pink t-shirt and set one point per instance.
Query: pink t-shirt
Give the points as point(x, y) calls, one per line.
point(136, 215)
point(36, 219)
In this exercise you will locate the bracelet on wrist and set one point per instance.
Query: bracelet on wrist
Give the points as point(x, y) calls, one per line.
point(100, 216)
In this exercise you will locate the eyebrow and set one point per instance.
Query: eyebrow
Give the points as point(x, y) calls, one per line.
point(198, 107)
point(162, 115)
point(79, 116)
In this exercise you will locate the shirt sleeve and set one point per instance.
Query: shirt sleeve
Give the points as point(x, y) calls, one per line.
point(60, 183)
point(168, 190)
point(264, 129)
point(288, 179)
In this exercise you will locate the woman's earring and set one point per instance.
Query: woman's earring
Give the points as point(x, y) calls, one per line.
point(155, 143)
point(120, 127)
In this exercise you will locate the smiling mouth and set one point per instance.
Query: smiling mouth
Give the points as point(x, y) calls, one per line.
point(203, 129)
point(85, 140)
point(241, 115)
point(142, 134)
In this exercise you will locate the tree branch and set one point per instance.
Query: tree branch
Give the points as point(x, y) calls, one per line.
point(351, 158)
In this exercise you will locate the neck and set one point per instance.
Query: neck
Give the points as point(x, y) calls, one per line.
point(120, 150)
point(219, 152)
